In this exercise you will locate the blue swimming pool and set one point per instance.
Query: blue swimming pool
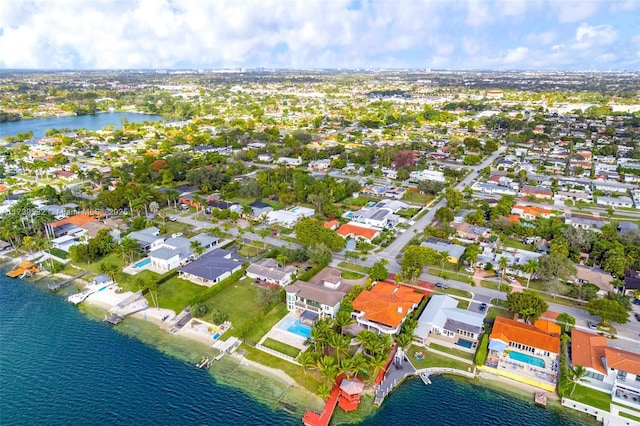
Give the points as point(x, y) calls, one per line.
point(142, 263)
point(464, 343)
point(533, 360)
point(294, 326)
point(349, 215)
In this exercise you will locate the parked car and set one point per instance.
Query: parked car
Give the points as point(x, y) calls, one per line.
point(442, 285)
point(637, 315)
point(470, 270)
point(636, 301)
point(592, 325)
point(483, 306)
point(511, 279)
point(172, 219)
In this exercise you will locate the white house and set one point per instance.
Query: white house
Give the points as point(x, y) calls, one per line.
point(434, 175)
point(210, 268)
point(615, 201)
point(148, 238)
point(176, 251)
point(289, 217)
point(321, 296)
point(441, 317)
point(267, 270)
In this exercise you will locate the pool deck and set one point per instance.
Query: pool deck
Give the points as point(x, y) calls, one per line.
point(285, 336)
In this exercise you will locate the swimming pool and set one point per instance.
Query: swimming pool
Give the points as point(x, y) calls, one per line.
point(533, 360)
point(349, 215)
point(142, 263)
point(464, 343)
point(294, 326)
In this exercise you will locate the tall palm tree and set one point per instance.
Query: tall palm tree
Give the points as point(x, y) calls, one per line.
point(530, 268)
point(377, 364)
point(324, 390)
point(345, 366)
point(359, 364)
point(338, 342)
point(305, 359)
point(196, 247)
point(577, 375)
point(328, 367)
point(503, 264)
point(343, 319)
point(172, 195)
point(110, 270)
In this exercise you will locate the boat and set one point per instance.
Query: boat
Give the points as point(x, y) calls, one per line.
point(204, 363)
point(541, 398)
point(25, 268)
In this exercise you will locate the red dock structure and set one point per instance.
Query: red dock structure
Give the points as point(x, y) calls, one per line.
point(312, 418)
point(350, 393)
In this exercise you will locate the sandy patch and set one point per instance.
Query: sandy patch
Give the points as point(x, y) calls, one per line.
point(155, 316)
point(273, 372)
point(513, 386)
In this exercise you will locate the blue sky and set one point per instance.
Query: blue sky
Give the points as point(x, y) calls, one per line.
point(440, 34)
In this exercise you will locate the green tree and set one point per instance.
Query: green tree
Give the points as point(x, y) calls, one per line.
point(444, 214)
point(218, 316)
point(527, 304)
point(199, 310)
point(608, 310)
point(378, 271)
point(567, 321)
point(305, 359)
point(577, 375)
point(530, 268)
point(454, 199)
point(110, 270)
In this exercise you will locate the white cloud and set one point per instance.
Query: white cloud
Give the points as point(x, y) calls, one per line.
point(588, 35)
point(544, 38)
point(574, 10)
point(514, 56)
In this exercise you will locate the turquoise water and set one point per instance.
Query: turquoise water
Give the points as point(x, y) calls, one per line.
point(90, 122)
point(464, 343)
point(533, 360)
point(58, 367)
point(294, 326)
point(143, 263)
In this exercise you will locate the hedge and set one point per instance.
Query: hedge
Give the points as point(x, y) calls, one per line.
point(58, 253)
point(481, 354)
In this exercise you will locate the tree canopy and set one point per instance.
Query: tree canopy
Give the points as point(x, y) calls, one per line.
point(310, 232)
point(528, 304)
point(608, 310)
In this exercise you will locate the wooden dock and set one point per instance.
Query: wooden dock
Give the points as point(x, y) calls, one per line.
point(58, 286)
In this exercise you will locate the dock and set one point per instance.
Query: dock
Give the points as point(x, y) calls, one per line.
point(312, 418)
point(117, 318)
point(59, 285)
point(541, 398)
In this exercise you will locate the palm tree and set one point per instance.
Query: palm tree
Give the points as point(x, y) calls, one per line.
point(154, 207)
point(324, 390)
point(136, 205)
point(365, 338)
point(264, 233)
point(163, 216)
point(305, 359)
point(502, 263)
point(345, 366)
point(151, 286)
point(196, 247)
point(328, 367)
point(319, 335)
point(577, 375)
point(530, 268)
point(442, 257)
point(338, 342)
point(343, 319)
point(28, 242)
point(403, 339)
point(566, 320)
point(359, 364)
point(110, 270)
point(172, 194)
point(377, 364)
point(247, 210)
point(198, 200)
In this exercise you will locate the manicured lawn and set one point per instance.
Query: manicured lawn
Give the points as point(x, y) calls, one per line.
point(629, 416)
point(252, 250)
point(463, 304)
point(452, 351)
point(456, 292)
point(175, 293)
point(351, 275)
point(434, 360)
point(352, 267)
point(359, 202)
point(417, 197)
point(494, 285)
point(283, 348)
point(591, 397)
point(261, 328)
point(494, 312)
point(408, 213)
point(173, 227)
point(239, 302)
point(518, 244)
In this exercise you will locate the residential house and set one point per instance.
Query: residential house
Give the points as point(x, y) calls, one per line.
point(631, 282)
point(267, 270)
point(460, 215)
point(488, 188)
point(379, 218)
point(321, 295)
point(446, 323)
point(384, 308)
point(289, 162)
point(454, 251)
point(176, 251)
point(610, 370)
point(524, 352)
point(358, 231)
point(536, 191)
point(625, 227)
point(210, 268)
point(530, 212)
point(321, 166)
point(471, 232)
point(615, 201)
point(148, 238)
point(581, 221)
point(259, 209)
point(595, 276)
point(434, 175)
point(289, 217)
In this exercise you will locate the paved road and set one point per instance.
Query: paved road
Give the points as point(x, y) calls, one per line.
point(394, 249)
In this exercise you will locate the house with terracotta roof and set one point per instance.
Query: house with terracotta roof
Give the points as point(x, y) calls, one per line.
point(471, 232)
point(530, 212)
point(536, 192)
point(385, 307)
point(524, 352)
point(609, 369)
point(358, 231)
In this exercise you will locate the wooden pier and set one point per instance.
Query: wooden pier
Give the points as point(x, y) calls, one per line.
point(58, 286)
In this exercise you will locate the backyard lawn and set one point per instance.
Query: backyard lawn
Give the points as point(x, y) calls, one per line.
point(434, 360)
point(591, 397)
point(452, 351)
point(518, 244)
point(494, 312)
point(417, 197)
point(252, 250)
point(261, 328)
point(239, 301)
point(283, 348)
point(349, 275)
point(175, 293)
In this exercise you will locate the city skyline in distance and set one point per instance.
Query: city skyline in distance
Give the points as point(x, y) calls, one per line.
point(544, 35)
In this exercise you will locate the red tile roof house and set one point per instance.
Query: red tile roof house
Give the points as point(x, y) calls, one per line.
point(610, 370)
point(384, 308)
point(358, 231)
point(525, 353)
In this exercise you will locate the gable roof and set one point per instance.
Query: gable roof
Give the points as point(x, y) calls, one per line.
point(442, 311)
point(211, 265)
point(269, 268)
point(623, 360)
point(387, 303)
point(508, 330)
point(587, 350)
point(78, 220)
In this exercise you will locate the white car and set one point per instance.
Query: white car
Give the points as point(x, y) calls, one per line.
point(470, 270)
point(511, 279)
